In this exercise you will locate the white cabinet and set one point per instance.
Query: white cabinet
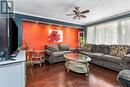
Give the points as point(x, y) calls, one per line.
point(12, 73)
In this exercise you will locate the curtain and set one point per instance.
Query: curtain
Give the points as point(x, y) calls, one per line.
point(106, 33)
point(90, 34)
point(125, 32)
point(115, 32)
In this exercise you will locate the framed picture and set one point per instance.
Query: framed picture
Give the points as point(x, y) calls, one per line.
point(81, 39)
point(55, 36)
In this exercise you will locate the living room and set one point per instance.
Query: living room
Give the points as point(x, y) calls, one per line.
point(64, 43)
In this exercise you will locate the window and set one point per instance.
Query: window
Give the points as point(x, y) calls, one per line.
point(90, 34)
point(125, 32)
point(106, 33)
point(115, 32)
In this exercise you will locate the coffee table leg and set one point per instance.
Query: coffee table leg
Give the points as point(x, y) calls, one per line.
point(86, 74)
point(87, 66)
point(68, 70)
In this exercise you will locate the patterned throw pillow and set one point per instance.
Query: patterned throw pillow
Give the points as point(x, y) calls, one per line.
point(88, 47)
point(118, 51)
point(114, 50)
point(122, 51)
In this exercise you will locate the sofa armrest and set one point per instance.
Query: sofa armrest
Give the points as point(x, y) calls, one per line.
point(48, 52)
point(81, 49)
point(126, 61)
point(73, 49)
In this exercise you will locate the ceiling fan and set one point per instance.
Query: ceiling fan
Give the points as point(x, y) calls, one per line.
point(78, 14)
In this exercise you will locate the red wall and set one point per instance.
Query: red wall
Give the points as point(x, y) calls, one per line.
point(36, 35)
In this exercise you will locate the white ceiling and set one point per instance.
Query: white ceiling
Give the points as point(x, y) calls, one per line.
point(57, 9)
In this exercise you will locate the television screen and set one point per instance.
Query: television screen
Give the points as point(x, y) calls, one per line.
point(3, 36)
point(13, 36)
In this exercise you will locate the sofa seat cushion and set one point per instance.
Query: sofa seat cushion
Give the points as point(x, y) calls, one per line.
point(92, 55)
point(61, 53)
point(111, 58)
point(86, 53)
point(97, 54)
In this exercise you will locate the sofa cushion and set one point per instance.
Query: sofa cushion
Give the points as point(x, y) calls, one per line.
point(92, 55)
point(53, 48)
point(61, 53)
point(63, 47)
point(102, 48)
point(93, 48)
point(97, 54)
point(111, 58)
point(86, 53)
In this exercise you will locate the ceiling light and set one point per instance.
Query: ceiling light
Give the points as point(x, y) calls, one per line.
point(36, 22)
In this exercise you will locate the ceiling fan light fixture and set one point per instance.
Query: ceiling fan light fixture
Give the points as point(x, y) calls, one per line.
point(77, 13)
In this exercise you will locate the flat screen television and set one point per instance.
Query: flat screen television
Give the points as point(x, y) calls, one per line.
point(8, 37)
point(3, 34)
point(13, 36)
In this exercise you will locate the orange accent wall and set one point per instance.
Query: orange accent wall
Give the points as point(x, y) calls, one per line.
point(36, 34)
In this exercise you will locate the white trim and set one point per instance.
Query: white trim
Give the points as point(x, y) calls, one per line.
point(108, 18)
point(47, 18)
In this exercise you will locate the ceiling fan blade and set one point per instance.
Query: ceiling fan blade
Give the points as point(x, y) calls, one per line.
point(69, 14)
point(75, 11)
point(77, 8)
point(83, 16)
point(74, 17)
point(86, 11)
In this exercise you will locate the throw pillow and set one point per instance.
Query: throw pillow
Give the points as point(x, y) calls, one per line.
point(114, 50)
point(118, 50)
point(122, 51)
point(88, 47)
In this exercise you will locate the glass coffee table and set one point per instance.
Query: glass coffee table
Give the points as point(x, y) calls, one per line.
point(77, 63)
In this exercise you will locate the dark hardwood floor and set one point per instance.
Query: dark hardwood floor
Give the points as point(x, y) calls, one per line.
point(55, 76)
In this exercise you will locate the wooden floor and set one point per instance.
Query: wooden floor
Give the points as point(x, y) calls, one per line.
point(55, 76)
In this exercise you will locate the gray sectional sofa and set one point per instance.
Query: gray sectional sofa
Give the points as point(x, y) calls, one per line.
point(101, 55)
point(55, 53)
